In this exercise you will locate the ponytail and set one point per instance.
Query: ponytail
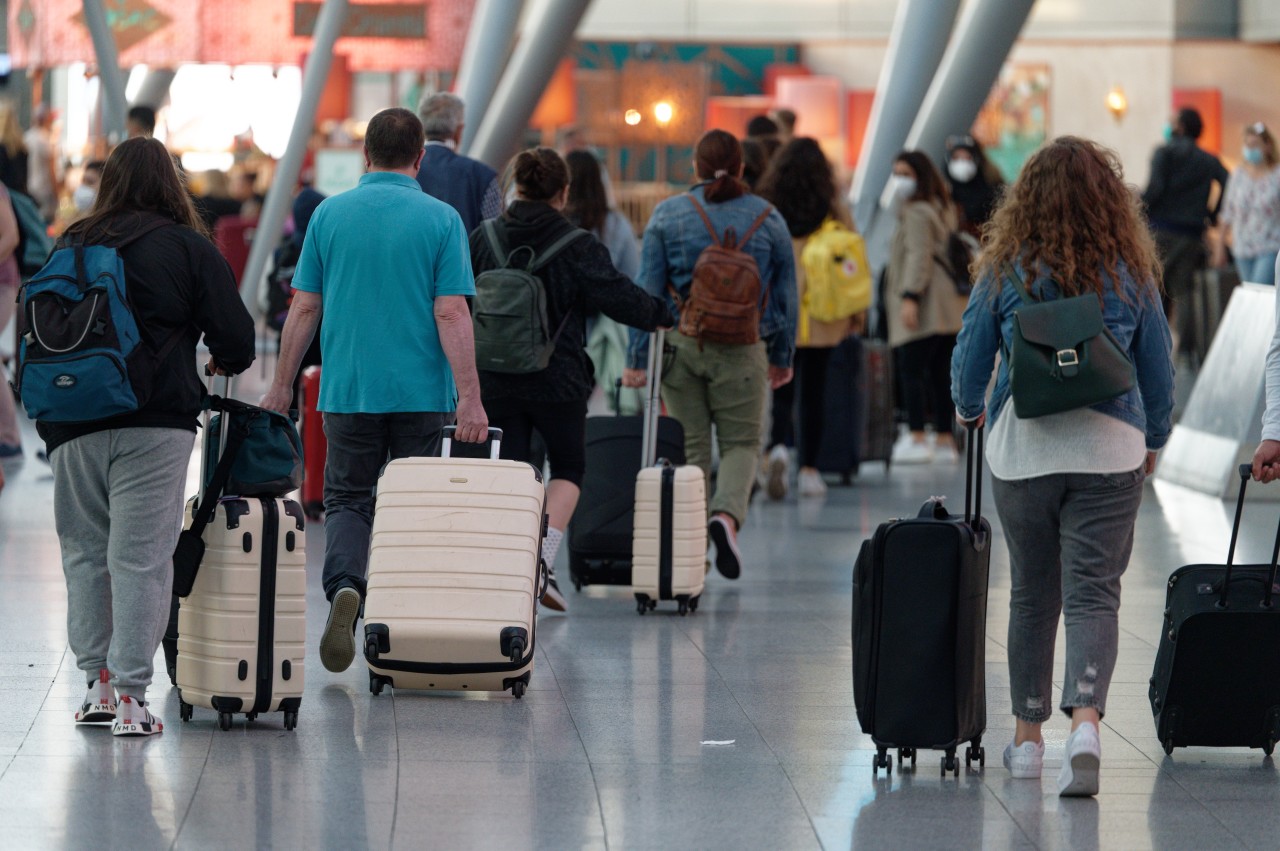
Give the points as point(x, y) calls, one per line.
point(718, 159)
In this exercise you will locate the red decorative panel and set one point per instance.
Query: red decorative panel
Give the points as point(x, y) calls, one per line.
point(781, 69)
point(733, 113)
point(1209, 103)
point(559, 104)
point(857, 117)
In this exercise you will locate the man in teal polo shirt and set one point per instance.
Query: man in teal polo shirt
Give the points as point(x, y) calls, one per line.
point(389, 267)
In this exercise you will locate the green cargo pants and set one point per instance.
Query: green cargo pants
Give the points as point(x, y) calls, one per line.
point(726, 386)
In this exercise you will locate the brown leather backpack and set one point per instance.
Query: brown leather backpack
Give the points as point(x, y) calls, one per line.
point(725, 299)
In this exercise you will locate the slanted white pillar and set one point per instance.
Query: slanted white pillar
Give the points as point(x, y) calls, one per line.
point(484, 57)
point(112, 97)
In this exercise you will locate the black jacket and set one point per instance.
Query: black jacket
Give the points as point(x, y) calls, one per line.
point(580, 281)
point(1177, 195)
point(178, 283)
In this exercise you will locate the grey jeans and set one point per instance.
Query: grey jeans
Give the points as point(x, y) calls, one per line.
point(360, 445)
point(1070, 537)
point(117, 505)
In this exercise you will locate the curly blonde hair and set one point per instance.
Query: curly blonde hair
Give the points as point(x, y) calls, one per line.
point(1070, 216)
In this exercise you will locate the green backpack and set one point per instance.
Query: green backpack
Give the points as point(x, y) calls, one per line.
point(512, 331)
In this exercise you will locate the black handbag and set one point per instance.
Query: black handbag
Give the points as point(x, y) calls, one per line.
point(1063, 356)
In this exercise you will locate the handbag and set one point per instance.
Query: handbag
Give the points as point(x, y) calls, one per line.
point(1063, 356)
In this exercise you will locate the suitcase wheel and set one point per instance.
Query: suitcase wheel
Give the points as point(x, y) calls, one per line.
point(644, 604)
point(250, 717)
point(1269, 747)
point(684, 607)
point(950, 764)
point(1168, 747)
point(517, 689)
point(290, 720)
point(882, 761)
point(693, 603)
point(376, 683)
point(184, 710)
point(224, 720)
point(975, 753)
point(907, 753)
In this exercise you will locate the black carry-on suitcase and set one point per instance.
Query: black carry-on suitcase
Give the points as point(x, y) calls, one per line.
point(600, 534)
point(843, 410)
point(1217, 673)
point(919, 630)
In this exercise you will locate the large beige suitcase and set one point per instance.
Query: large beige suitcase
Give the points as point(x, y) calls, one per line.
point(455, 574)
point(669, 548)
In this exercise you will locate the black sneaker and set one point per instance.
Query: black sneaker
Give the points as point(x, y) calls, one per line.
point(338, 642)
point(722, 534)
point(554, 599)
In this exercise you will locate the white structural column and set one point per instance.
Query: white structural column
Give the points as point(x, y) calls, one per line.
point(985, 35)
point(493, 27)
point(916, 45)
point(279, 198)
point(111, 80)
point(542, 43)
point(155, 87)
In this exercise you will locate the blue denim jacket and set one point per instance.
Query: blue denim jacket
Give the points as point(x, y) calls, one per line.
point(1137, 320)
point(676, 235)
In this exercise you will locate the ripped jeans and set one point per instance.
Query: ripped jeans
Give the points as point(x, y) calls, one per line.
point(1070, 536)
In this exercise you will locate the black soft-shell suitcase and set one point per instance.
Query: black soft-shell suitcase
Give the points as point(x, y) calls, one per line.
point(600, 534)
point(843, 411)
point(1217, 674)
point(919, 630)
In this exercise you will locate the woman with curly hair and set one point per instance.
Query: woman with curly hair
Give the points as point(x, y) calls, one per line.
point(1067, 486)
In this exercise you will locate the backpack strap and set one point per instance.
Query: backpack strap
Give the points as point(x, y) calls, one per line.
point(755, 226)
point(555, 248)
point(496, 243)
point(706, 220)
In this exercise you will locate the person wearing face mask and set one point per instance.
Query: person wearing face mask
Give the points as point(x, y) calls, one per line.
point(974, 181)
point(923, 308)
point(1251, 211)
point(87, 192)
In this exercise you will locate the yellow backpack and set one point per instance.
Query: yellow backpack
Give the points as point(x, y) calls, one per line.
point(837, 278)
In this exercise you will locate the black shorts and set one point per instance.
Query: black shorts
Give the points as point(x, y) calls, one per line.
point(562, 425)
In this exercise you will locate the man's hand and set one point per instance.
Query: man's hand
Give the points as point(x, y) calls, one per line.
point(780, 376)
point(910, 314)
point(1266, 461)
point(473, 422)
point(1149, 467)
point(277, 399)
point(635, 377)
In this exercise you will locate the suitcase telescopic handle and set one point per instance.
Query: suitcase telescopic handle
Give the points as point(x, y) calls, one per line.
point(652, 401)
point(1246, 471)
point(974, 453)
point(495, 442)
point(223, 423)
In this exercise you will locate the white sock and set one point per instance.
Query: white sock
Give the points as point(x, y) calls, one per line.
point(551, 547)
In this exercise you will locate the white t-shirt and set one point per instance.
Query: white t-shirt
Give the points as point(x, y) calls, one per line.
point(1079, 441)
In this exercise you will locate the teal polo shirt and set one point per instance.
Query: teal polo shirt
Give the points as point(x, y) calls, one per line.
point(379, 255)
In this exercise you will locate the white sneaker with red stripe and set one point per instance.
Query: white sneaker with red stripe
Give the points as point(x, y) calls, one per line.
point(99, 705)
point(134, 719)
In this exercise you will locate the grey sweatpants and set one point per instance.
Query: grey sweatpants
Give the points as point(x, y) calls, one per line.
point(118, 505)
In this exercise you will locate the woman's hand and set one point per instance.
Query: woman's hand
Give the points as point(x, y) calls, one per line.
point(780, 376)
point(1149, 467)
point(910, 314)
point(635, 377)
point(978, 423)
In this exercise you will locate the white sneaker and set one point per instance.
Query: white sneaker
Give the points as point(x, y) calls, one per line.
point(811, 484)
point(777, 466)
point(134, 719)
point(1024, 761)
point(99, 704)
point(1080, 763)
point(907, 451)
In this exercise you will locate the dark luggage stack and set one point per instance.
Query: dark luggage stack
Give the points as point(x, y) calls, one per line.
point(1217, 673)
point(857, 407)
point(919, 630)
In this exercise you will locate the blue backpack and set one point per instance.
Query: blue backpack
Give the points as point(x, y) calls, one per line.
point(83, 357)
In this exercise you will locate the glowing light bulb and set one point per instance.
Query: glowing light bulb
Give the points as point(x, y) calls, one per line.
point(632, 117)
point(663, 112)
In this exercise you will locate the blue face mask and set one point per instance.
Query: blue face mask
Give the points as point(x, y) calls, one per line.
point(1253, 156)
point(1168, 132)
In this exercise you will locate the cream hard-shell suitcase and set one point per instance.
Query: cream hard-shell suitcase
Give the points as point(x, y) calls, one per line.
point(455, 573)
point(669, 549)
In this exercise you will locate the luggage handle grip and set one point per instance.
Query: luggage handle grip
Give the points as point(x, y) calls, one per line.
point(652, 401)
point(1246, 471)
point(224, 423)
point(973, 475)
point(495, 442)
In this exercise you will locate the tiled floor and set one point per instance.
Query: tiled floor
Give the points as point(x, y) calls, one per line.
point(733, 728)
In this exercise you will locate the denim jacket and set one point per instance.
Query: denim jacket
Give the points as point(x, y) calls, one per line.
point(676, 235)
point(1137, 320)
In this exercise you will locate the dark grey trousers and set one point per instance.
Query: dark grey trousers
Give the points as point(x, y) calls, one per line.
point(360, 445)
point(1070, 537)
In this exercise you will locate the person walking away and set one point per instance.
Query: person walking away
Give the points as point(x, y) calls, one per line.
point(1266, 460)
point(284, 264)
point(10, 278)
point(1067, 485)
point(118, 483)
point(140, 122)
point(709, 383)
point(974, 181)
point(922, 306)
point(801, 185)
point(42, 162)
point(467, 185)
point(1177, 200)
point(1250, 220)
point(580, 279)
point(14, 159)
point(388, 266)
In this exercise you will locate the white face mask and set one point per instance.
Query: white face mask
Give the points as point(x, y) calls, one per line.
point(962, 171)
point(903, 187)
point(83, 197)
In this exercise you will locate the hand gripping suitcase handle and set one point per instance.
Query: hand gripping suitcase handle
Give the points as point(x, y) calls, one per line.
point(974, 453)
point(495, 442)
point(653, 400)
point(1246, 471)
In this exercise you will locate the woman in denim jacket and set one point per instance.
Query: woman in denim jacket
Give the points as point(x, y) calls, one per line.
point(706, 382)
point(1067, 486)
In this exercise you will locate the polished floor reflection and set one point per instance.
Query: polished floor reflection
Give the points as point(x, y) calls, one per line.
point(732, 728)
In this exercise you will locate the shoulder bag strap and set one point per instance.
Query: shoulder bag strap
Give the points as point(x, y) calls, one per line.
point(496, 243)
point(221, 475)
point(706, 220)
point(1019, 285)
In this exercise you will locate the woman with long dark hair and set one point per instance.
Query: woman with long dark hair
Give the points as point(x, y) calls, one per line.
point(710, 382)
point(1068, 485)
point(579, 280)
point(922, 305)
point(801, 184)
point(118, 483)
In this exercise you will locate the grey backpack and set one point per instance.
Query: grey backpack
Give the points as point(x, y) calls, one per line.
point(512, 331)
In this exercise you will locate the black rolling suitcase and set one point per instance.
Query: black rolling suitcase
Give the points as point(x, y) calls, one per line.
point(1217, 673)
point(919, 630)
point(601, 531)
point(843, 410)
